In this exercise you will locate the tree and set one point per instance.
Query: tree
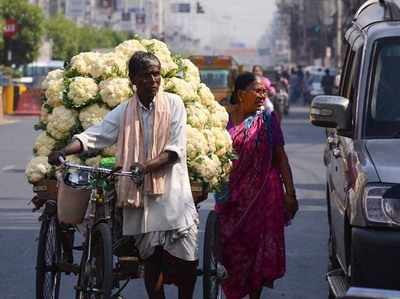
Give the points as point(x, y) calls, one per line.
point(30, 19)
point(64, 35)
point(70, 39)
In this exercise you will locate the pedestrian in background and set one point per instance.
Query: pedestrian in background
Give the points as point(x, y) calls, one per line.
point(260, 197)
point(294, 86)
point(258, 71)
point(307, 88)
point(327, 82)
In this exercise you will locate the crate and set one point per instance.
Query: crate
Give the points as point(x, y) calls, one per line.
point(46, 189)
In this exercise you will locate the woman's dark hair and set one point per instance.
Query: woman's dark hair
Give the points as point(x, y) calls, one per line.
point(141, 60)
point(242, 82)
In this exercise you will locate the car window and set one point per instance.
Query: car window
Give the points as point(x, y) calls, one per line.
point(350, 79)
point(215, 78)
point(383, 119)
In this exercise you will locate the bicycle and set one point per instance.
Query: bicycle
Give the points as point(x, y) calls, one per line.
point(53, 241)
point(98, 275)
point(108, 257)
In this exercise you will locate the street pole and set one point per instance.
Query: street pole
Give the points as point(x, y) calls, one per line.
point(339, 33)
point(160, 18)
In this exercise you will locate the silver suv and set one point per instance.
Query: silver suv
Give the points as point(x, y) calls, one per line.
point(362, 155)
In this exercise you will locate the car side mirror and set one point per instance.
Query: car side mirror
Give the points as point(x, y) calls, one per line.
point(330, 112)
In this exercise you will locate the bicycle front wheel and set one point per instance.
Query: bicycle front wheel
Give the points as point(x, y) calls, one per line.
point(95, 278)
point(48, 256)
point(212, 271)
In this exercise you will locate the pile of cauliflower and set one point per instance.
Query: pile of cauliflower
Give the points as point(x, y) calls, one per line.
point(94, 83)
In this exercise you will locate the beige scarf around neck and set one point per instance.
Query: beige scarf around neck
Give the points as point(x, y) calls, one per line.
point(130, 149)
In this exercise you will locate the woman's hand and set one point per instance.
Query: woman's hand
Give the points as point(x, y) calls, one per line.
point(291, 205)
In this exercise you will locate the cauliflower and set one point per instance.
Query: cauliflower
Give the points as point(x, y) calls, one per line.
point(54, 93)
point(226, 170)
point(94, 161)
point(196, 143)
point(92, 115)
point(206, 96)
point(219, 117)
point(109, 65)
point(44, 145)
point(74, 159)
point(115, 91)
point(37, 169)
point(129, 47)
point(197, 115)
point(208, 134)
point(60, 122)
point(208, 168)
point(110, 151)
point(82, 90)
point(223, 141)
point(191, 73)
point(52, 76)
point(160, 49)
point(181, 88)
point(84, 62)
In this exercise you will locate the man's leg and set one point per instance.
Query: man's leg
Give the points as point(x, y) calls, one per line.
point(185, 274)
point(153, 276)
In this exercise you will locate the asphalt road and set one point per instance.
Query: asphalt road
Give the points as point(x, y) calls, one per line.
point(305, 238)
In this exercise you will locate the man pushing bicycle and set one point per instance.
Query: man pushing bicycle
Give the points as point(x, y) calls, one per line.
point(158, 210)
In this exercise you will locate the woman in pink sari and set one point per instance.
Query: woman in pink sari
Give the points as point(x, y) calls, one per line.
point(261, 196)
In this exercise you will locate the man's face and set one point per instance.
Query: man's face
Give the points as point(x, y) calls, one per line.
point(148, 80)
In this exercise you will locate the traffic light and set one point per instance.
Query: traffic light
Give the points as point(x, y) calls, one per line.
point(199, 7)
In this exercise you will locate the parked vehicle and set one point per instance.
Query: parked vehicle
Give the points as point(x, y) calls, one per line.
point(34, 73)
point(218, 73)
point(361, 155)
point(315, 85)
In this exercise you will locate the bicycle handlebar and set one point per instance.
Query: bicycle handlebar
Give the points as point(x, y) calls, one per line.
point(132, 174)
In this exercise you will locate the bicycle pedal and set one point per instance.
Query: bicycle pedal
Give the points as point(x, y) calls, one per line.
point(78, 248)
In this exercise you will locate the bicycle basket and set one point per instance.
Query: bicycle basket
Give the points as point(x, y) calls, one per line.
point(73, 197)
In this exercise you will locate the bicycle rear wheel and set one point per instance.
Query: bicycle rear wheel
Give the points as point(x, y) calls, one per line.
point(95, 278)
point(48, 256)
point(212, 277)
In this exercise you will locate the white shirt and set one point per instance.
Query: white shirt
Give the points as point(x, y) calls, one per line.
point(175, 208)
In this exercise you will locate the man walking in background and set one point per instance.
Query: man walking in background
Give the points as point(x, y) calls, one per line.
point(327, 82)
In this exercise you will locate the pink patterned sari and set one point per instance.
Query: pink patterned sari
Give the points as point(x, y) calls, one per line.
point(252, 219)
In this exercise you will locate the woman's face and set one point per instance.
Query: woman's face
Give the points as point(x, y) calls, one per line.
point(253, 97)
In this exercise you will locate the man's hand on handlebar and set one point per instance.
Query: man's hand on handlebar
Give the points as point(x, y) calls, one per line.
point(138, 171)
point(75, 147)
point(56, 157)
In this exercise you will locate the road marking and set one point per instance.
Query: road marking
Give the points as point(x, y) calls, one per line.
point(8, 168)
point(10, 227)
